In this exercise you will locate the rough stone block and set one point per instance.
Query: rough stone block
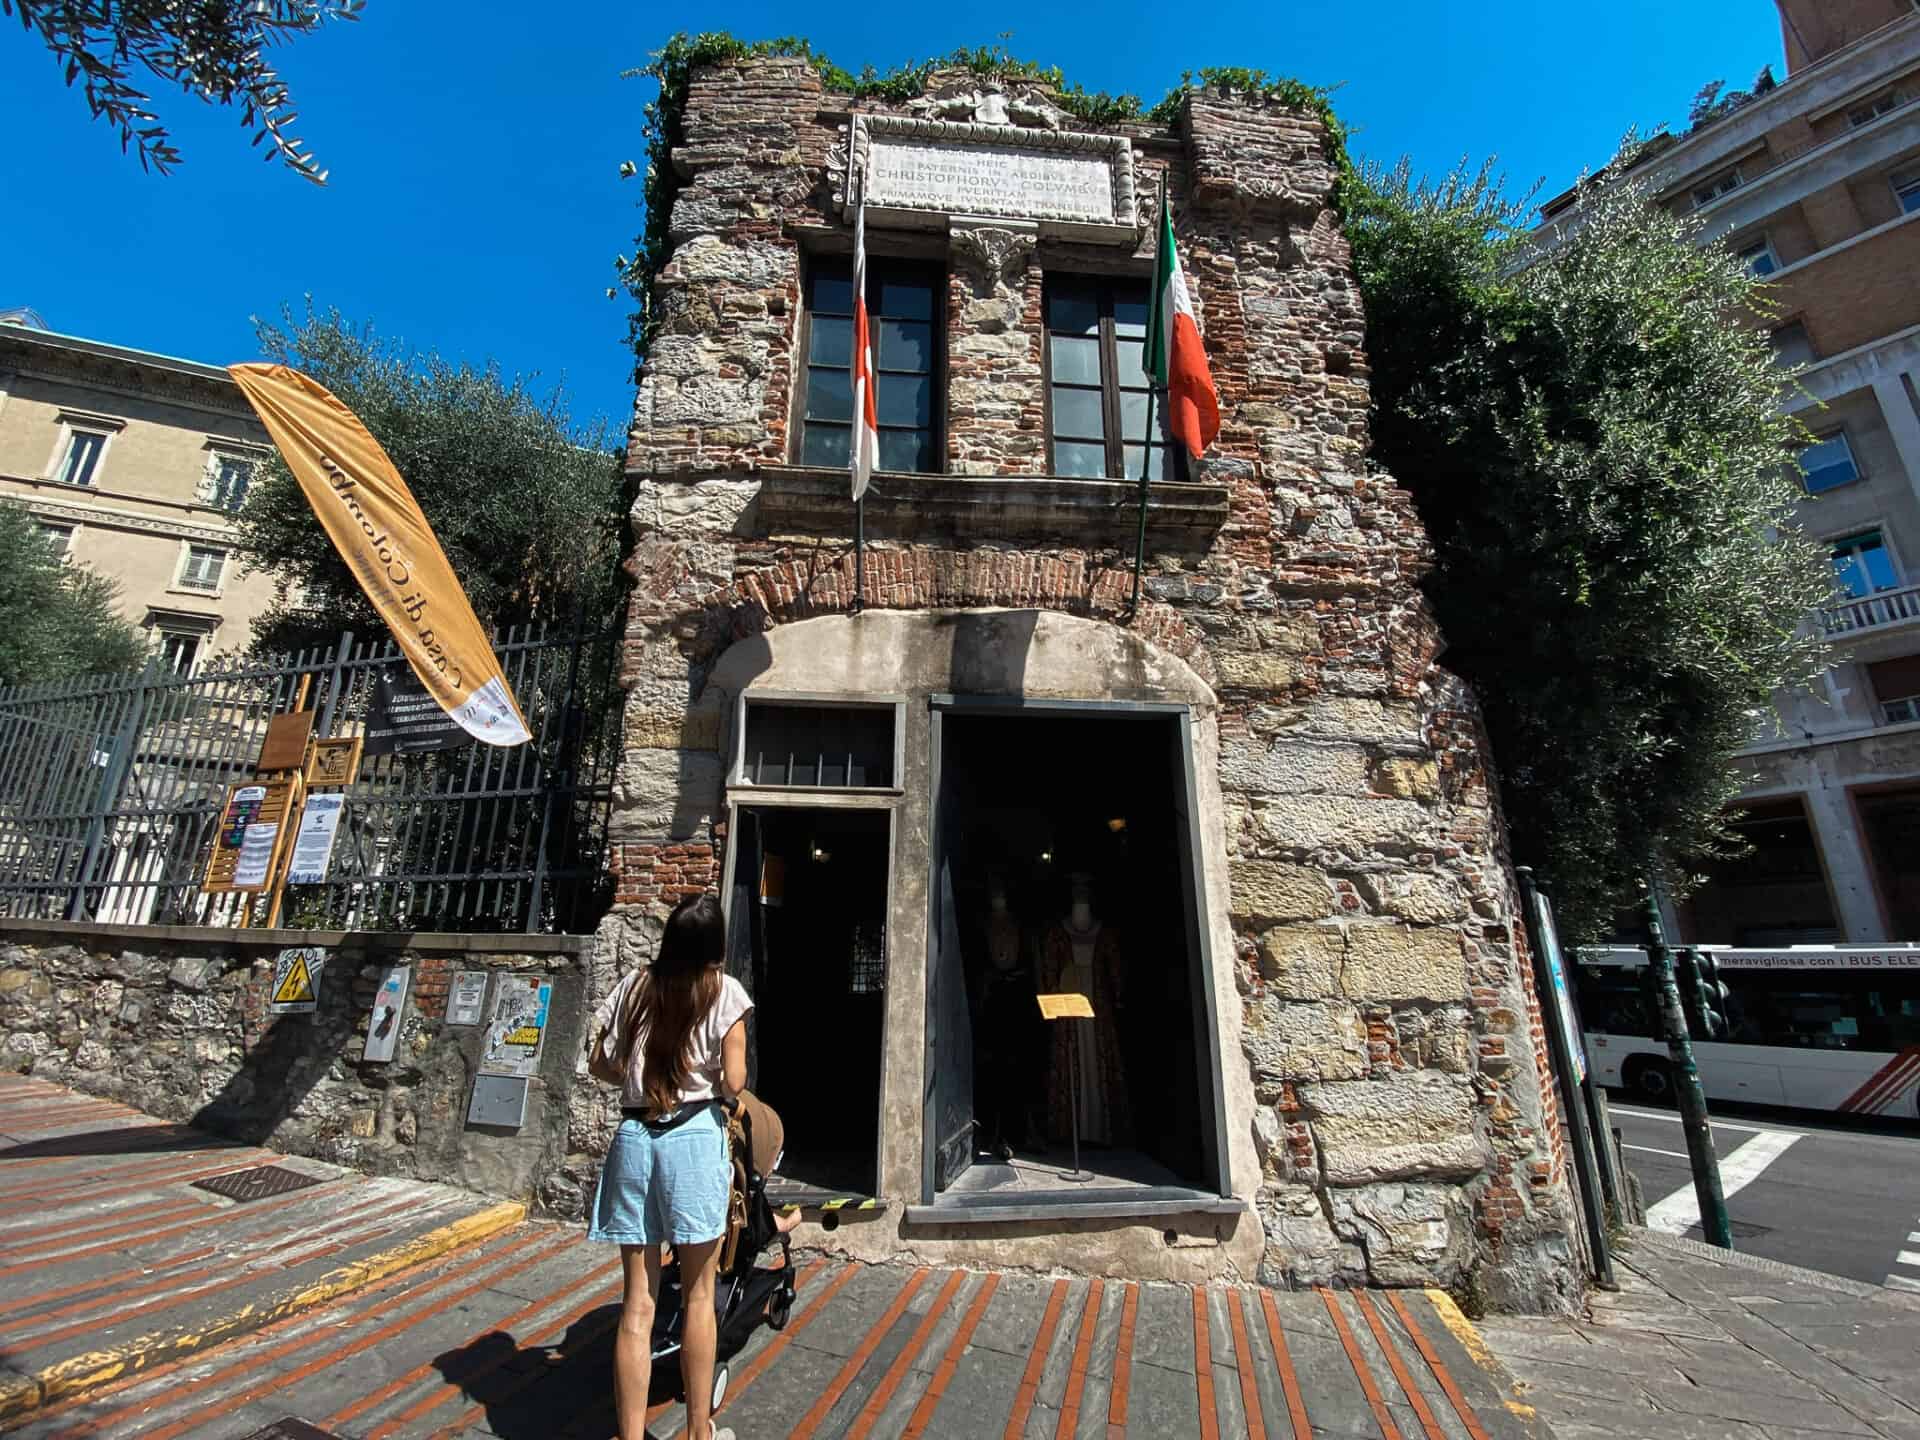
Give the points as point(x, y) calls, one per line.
point(1338, 822)
point(1287, 767)
point(710, 507)
point(667, 794)
point(1343, 717)
point(1292, 1040)
point(1403, 962)
point(189, 973)
point(1302, 962)
point(1421, 898)
point(1417, 1126)
point(1273, 890)
point(1408, 779)
point(1413, 1234)
point(1257, 670)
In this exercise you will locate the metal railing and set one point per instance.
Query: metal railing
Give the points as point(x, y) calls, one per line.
point(111, 789)
point(1875, 611)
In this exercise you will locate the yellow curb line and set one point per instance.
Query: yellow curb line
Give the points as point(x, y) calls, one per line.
point(1470, 1340)
point(99, 1367)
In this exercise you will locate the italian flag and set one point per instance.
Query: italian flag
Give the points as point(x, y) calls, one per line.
point(863, 456)
point(1175, 356)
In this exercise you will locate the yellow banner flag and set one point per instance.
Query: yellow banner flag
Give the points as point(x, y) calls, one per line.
point(376, 525)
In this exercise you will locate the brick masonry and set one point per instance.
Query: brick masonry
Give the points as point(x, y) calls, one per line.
point(1401, 1128)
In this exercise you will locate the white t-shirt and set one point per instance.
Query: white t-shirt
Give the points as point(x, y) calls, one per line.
point(703, 1045)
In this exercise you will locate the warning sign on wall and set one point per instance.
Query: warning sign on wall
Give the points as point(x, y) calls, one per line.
point(296, 980)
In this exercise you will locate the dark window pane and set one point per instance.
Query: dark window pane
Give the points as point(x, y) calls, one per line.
point(905, 345)
point(829, 394)
point(831, 342)
point(910, 450)
point(1073, 311)
point(905, 400)
point(825, 445)
point(1070, 458)
point(1076, 360)
point(1133, 415)
point(833, 294)
point(1132, 357)
point(812, 744)
point(1130, 312)
point(1076, 414)
point(906, 300)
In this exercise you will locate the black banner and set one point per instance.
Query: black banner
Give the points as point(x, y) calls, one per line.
point(404, 719)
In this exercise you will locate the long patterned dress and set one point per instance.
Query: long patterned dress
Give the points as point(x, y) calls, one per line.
point(1105, 1116)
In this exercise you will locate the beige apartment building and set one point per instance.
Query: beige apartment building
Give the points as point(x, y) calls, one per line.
point(1816, 183)
point(133, 463)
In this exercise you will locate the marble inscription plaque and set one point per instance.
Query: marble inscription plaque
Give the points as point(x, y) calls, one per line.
point(976, 179)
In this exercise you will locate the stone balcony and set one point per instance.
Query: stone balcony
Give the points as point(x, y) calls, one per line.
point(1880, 611)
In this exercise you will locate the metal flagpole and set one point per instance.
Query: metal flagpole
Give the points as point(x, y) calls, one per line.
point(854, 456)
point(1146, 457)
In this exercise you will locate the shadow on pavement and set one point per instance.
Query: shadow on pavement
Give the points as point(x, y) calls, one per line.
point(128, 1140)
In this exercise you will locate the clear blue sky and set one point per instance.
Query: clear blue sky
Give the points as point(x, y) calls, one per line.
point(474, 205)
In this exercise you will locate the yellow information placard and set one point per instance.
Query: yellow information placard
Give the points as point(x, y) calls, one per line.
point(1065, 1007)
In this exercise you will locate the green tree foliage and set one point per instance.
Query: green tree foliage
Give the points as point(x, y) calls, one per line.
point(527, 509)
point(57, 620)
point(213, 49)
point(1594, 441)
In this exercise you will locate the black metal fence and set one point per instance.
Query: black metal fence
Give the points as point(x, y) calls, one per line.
point(111, 790)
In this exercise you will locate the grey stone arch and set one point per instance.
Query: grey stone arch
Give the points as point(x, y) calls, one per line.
point(908, 657)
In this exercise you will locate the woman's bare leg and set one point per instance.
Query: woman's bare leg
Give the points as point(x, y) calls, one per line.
point(633, 1343)
point(699, 1266)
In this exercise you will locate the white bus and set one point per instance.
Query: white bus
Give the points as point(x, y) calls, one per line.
point(1820, 1027)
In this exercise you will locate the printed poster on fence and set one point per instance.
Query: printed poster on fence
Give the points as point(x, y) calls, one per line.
point(517, 1028)
point(313, 841)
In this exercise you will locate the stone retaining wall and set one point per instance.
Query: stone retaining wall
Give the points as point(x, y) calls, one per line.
point(176, 1021)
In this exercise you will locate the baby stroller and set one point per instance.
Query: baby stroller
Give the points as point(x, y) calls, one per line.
point(743, 1291)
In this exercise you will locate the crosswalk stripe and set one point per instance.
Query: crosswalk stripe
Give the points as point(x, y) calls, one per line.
point(1901, 1282)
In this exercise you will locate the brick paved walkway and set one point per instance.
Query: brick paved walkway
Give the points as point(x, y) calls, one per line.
point(511, 1337)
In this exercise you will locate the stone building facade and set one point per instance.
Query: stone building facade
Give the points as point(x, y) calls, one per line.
point(1316, 1055)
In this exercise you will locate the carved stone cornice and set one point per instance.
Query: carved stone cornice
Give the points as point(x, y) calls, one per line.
point(124, 520)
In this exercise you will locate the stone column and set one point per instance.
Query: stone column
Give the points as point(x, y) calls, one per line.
point(995, 409)
point(1848, 864)
point(1902, 423)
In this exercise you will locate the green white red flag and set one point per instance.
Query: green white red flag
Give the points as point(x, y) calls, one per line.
point(1175, 356)
point(863, 455)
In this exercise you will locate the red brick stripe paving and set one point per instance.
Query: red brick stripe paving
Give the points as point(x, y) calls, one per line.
point(1354, 1358)
point(937, 1387)
point(1399, 1368)
point(877, 1402)
point(1068, 1425)
point(1243, 1357)
point(857, 1361)
point(1036, 1363)
point(1122, 1365)
point(1283, 1362)
point(1432, 1357)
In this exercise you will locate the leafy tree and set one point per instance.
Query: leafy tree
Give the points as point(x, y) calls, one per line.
point(1594, 441)
point(213, 49)
point(527, 510)
point(57, 620)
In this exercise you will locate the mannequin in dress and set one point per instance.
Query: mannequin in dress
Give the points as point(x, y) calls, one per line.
point(1006, 1021)
point(1083, 957)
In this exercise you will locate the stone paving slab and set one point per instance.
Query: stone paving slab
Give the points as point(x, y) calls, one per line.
point(1703, 1345)
point(111, 1262)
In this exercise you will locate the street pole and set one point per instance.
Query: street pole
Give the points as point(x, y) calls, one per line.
point(1686, 1076)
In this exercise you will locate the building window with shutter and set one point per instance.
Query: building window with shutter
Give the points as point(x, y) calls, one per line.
point(1097, 397)
point(1757, 255)
point(58, 538)
point(227, 481)
point(82, 458)
point(905, 315)
point(1828, 463)
point(202, 567)
point(179, 651)
point(1896, 688)
point(1906, 190)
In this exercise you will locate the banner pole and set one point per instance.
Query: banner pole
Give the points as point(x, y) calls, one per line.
point(1140, 540)
point(859, 554)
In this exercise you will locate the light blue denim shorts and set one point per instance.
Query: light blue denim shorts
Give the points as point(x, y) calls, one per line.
point(664, 1189)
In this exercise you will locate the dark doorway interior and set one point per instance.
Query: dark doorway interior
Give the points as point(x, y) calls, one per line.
point(1775, 894)
point(1039, 810)
point(1892, 822)
point(814, 891)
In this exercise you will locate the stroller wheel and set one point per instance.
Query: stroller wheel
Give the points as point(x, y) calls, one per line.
point(721, 1375)
point(780, 1308)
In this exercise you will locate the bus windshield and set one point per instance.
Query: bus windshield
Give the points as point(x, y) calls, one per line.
point(1814, 1007)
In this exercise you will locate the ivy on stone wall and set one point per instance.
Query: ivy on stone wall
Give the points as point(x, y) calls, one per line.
point(673, 66)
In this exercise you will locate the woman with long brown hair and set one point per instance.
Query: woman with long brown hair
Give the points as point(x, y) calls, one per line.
point(683, 1032)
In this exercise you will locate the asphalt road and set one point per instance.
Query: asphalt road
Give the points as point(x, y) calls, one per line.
point(1837, 1196)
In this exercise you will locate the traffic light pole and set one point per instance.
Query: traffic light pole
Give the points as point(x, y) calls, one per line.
point(1686, 1075)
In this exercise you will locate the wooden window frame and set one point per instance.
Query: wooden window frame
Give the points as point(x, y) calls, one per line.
point(1110, 408)
point(879, 268)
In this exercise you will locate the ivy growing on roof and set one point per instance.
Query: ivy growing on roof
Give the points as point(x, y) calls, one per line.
point(674, 63)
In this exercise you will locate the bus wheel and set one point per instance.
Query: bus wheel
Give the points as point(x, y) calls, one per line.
point(1651, 1080)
